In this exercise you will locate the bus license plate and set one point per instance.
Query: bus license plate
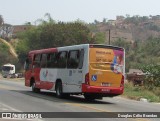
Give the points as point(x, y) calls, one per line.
point(106, 84)
point(105, 90)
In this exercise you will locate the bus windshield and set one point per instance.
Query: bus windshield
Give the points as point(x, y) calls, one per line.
point(7, 68)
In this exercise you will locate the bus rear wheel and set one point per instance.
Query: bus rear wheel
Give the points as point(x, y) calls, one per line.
point(59, 92)
point(89, 97)
point(34, 89)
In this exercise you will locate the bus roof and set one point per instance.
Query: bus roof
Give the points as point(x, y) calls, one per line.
point(95, 45)
point(43, 51)
point(89, 45)
point(106, 46)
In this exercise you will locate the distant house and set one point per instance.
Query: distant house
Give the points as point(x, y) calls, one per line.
point(112, 22)
point(19, 28)
point(119, 20)
point(10, 31)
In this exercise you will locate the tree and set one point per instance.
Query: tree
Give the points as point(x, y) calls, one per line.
point(1, 20)
point(1, 23)
point(96, 21)
point(80, 22)
point(51, 34)
point(104, 20)
point(127, 16)
point(100, 38)
point(27, 23)
point(49, 20)
point(122, 43)
point(6, 31)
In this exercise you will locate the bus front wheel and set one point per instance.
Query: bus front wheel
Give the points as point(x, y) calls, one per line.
point(34, 89)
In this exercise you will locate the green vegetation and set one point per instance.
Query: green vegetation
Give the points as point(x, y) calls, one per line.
point(5, 56)
point(141, 54)
point(144, 56)
point(137, 92)
point(3, 53)
point(100, 37)
point(152, 78)
point(49, 34)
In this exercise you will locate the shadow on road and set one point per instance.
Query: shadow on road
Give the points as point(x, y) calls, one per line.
point(51, 96)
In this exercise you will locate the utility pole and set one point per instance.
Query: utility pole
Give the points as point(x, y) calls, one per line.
point(109, 36)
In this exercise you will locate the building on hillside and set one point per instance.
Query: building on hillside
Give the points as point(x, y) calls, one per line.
point(9, 31)
point(119, 20)
point(112, 22)
point(19, 28)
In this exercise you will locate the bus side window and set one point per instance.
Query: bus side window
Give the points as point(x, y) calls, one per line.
point(51, 60)
point(73, 59)
point(81, 59)
point(61, 59)
point(36, 62)
point(44, 61)
point(26, 64)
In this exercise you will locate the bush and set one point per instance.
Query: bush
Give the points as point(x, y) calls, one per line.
point(152, 78)
point(139, 92)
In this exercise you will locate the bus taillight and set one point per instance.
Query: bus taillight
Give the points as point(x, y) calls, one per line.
point(87, 79)
point(122, 81)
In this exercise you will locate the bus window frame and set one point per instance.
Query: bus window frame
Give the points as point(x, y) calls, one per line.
point(69, 65)
point(81, 59)
point(58, 61)
point(43, 60)
point(36, 63)
point(51, 62)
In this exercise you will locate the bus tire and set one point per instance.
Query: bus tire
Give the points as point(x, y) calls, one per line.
point(59, 91)
point(89, 97)
point(34, 89)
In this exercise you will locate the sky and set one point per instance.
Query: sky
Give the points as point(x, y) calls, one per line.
point(18, 12)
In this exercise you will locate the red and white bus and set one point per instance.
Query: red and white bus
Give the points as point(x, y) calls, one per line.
point(92, 70)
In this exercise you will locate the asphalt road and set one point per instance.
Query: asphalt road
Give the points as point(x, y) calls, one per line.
point(15, 97)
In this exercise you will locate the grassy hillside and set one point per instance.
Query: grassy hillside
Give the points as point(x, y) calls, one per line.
point(7, 53)
point(135, 28)
point(10, 48)
point(136, 93)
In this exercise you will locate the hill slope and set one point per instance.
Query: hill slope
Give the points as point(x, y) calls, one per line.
point(131, 29)
point(11, 49)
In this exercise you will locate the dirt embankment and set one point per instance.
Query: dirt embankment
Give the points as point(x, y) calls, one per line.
point(11, 49)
